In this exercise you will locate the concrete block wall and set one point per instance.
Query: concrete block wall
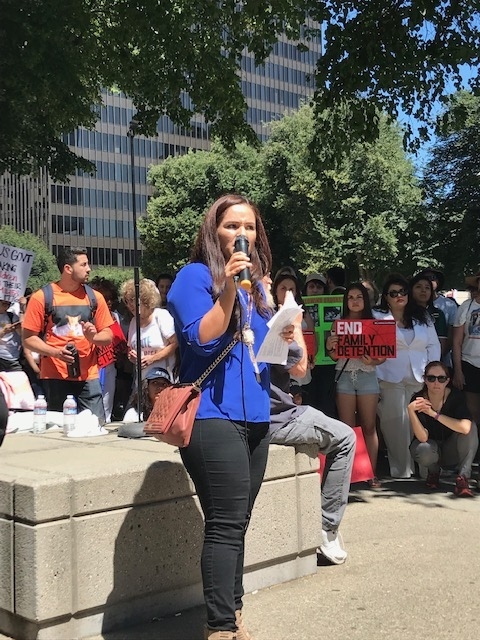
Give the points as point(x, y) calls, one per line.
point(97, 533)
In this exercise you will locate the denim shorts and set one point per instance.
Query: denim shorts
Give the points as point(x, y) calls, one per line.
point(358, 383)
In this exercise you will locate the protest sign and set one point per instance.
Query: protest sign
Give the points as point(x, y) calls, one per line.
point(375, 338)
point(15, 267)
point(324, 310)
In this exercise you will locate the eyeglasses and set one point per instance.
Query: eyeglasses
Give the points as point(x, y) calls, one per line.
point(394, 293)
point(441, 379)
point(129, 300)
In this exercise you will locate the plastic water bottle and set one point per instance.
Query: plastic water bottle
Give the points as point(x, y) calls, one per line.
point(40, 415)
point(69, 415)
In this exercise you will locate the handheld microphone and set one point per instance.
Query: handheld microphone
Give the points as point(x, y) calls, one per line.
point(244, 277)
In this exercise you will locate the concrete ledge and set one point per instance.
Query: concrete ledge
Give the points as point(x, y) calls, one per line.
point(106, 532)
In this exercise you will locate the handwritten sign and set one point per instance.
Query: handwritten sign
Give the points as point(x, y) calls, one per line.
point(324, 310)
point(374, 338)
point(15, 267)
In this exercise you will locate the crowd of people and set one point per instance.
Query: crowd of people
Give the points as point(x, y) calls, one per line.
point(80, 337)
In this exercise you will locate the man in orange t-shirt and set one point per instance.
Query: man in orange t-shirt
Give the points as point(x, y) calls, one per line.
point(70, 322)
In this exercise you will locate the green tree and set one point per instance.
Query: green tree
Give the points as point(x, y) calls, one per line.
point(184, 188)
point(352, 215)
point(358, 214)
point(118, 275)
point(44, 268)
point(56, 56)
point(378, 55)
point(452, 186)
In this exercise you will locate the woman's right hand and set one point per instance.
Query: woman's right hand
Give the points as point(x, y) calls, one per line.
point(331, 343)
point(237, 262)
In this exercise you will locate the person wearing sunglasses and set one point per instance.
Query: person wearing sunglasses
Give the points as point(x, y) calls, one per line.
point(400, 377)
point(443, 430)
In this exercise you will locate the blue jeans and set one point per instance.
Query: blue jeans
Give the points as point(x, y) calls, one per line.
point(88, 395)
point(226, 461)
point(336, 440)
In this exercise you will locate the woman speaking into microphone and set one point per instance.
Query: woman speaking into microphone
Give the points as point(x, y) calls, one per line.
point(227, 454)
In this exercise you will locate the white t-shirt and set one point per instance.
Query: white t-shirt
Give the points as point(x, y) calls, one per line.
point(468, 316)
point(154, 337)
point(11, 342)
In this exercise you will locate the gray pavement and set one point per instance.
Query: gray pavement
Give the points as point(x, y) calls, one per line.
point(412, 573)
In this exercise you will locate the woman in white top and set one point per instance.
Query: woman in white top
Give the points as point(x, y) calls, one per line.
point(402, 376)
point(157, 332)
point(466, 347)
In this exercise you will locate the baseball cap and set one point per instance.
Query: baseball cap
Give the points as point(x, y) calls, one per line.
point(158, 372)
point(316, 276)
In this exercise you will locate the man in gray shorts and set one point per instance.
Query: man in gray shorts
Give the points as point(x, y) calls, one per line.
point(295, 425)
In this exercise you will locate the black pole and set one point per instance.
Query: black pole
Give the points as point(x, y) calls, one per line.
point(136, 270)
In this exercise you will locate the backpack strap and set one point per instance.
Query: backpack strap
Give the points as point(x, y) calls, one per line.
point(48, 307)
point(48, 304)
point(92, 298)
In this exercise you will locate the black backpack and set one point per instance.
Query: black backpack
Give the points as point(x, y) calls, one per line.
point(48, 296)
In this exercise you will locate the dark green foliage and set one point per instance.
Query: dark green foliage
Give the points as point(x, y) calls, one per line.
point(452, 186)
point(358, 215)
point(378, 56)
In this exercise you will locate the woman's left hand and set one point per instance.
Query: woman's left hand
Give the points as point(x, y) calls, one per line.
point(423, 405)
point(287, 333)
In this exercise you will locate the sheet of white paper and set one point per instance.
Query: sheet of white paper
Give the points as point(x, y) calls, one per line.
point(274, 349)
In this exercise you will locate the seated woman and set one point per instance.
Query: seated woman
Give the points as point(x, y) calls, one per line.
point(155, 381)
point(442, 428)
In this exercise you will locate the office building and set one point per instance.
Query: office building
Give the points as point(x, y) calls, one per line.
point(95, 211)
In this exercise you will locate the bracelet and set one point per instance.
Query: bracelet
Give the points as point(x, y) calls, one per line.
point(437, 415)
point(330, 350)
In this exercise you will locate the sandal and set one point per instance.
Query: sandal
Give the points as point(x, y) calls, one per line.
point(374, 483)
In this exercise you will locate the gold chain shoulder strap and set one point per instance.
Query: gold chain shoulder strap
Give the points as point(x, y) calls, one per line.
point(217, 360)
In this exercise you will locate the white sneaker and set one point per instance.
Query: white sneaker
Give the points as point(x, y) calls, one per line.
point(332, 547)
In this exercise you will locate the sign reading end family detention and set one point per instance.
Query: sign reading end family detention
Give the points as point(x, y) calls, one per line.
point(374, 338)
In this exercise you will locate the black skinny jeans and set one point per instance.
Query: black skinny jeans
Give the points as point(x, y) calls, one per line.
point(226, 461)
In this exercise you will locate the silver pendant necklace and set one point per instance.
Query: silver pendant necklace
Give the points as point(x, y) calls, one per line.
point(248, 337)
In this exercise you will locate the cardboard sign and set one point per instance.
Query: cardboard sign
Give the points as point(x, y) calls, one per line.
point(324, 310)
point(375, 338)
point(15, 267)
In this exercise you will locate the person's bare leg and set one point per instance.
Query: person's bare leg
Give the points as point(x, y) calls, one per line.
point(347, 407)
point(367, 414)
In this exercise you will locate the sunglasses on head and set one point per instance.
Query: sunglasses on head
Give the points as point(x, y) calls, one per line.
point(431, 378)
point(394, 293)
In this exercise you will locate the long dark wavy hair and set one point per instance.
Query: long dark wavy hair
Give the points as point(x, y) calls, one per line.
point(412, 311)
point(207, 251)
point(367, 309)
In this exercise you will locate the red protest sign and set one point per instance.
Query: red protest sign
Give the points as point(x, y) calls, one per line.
point(374, 338)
